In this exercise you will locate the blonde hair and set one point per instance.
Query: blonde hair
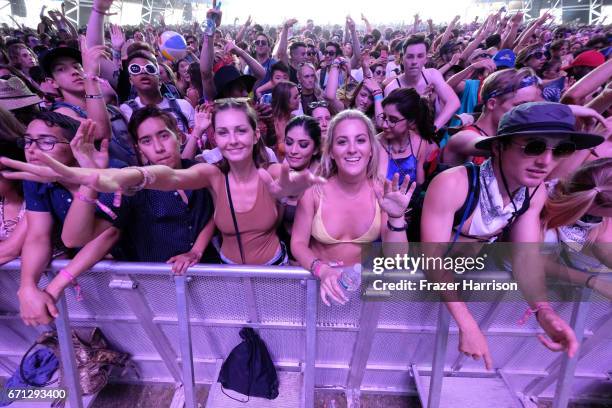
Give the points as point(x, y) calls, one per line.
point(328, 166)
point(590, 184)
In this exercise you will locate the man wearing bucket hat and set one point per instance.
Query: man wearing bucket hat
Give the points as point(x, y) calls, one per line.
point(505, 196)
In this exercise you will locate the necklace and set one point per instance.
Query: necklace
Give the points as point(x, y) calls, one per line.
point(401, 149)
point(8, 226)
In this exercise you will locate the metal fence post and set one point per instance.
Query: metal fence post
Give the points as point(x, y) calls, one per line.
point(311, 343)
point(64, 335)
point(568, 365)
point(185, 341)
point(437, 367)
point(368, 324)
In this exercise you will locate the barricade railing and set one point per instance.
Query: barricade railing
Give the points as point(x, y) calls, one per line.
point(562, 369)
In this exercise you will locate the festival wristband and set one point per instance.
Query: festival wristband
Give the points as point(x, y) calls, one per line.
point(71, 278)
point(396, 229)
point(531, 311)
point(378, 97)
point(97, 203)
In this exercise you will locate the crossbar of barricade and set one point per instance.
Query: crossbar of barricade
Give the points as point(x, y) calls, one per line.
point(184, 373)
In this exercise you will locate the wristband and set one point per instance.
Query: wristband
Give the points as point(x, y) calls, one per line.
point(396, 229)
point(75, 284)
point(116, 54)
point(97, 203)
point(147, 178)
point(378, 97)
point(588, 281)
point(315, 267)
point(530, 312)
point(104, 13)
point(98, 96)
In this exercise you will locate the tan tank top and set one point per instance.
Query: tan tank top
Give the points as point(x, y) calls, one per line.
point(257, 227)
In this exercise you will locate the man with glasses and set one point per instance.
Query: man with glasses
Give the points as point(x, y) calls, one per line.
point(144, 77)
point(47, 206)
point(504, 197)
point(532, 57)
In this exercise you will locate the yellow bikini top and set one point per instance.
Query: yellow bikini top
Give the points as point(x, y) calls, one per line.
point(319, 232)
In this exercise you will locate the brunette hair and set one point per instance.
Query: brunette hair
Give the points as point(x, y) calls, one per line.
point(150, 111)
point(280, 98)
point(260, 157)
point(312, 129)
point(414, 108)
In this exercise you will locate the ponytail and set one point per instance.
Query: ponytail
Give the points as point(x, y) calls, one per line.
point(425, 120)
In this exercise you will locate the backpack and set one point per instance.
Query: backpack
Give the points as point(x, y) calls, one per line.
point(248, 369)
point(121, 147)
point(174, 108)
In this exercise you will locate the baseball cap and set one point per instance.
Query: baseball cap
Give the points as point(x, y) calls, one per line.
point(590, 58)
point(47, 61)
point(504, 58)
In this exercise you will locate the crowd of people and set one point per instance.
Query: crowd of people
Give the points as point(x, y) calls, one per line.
point(299, 144)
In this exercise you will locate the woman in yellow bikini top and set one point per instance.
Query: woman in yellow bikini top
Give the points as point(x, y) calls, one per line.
point(352, 208)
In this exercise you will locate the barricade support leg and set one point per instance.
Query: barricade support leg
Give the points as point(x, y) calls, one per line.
point(185, 341)
point(568, 365)
point(71, 374)
point(311, 343)
point(437, 367)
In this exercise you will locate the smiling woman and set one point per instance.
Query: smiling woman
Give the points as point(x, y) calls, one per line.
point(332, 221)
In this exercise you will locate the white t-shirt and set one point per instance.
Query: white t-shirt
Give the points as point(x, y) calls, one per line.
point(185, 107)
point(390, 67)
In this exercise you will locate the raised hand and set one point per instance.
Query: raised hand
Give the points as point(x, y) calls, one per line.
point(83, 148)
point(117, 37)
point(561, 337)
point(203, 117)
point(394, 199)
point(91, 57)
point(290, 23)
point(102, 5)
point(290, 183)
point(371, 85)
point(230, 47)
point(350, 23)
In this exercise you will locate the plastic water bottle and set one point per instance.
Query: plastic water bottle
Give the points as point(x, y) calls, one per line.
point(350, 279)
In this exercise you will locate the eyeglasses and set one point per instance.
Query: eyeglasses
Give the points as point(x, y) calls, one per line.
point(149, 69)
point(391, 122)
point(330, 53)
point(379, 73)
point(261, 43)
point(45, 144)
point(318, 104)
point(537, 147)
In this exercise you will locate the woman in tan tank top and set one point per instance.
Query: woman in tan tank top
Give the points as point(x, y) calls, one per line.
point(254, 186)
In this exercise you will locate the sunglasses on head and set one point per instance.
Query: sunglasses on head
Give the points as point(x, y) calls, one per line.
point(318, 104)
point(261, 43)
point(537, 55)
point(537, 147)
point(135, 69)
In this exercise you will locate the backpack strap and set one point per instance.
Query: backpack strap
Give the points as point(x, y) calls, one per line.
point(76, 109)
point(471, 201)
point(132, 104)
point(178, 112)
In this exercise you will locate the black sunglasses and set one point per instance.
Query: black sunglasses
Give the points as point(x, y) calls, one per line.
point(261, 42)
point(330, 53)
point(538, 147)
point(537, 55)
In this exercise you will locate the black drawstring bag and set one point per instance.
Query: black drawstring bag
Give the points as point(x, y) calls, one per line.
point(249, 369)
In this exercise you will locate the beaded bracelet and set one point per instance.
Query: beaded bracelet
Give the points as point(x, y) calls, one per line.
point(147, 179)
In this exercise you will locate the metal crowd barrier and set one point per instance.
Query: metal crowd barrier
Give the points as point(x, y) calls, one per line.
point(349, 347)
